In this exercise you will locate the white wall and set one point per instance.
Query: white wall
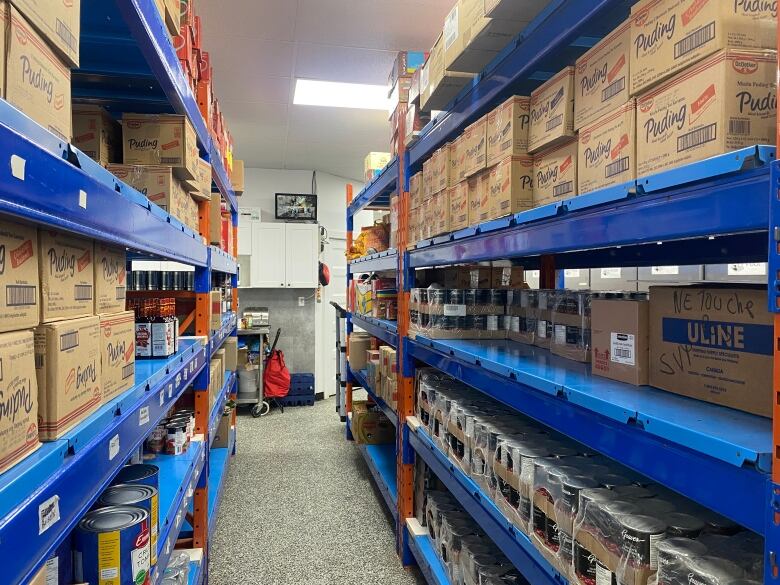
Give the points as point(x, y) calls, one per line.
point(260, 187)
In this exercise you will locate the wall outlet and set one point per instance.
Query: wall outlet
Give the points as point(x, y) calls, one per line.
point(301, 301)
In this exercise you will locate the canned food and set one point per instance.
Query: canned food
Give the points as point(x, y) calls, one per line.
point(140, 473)
point(112, 547)
point(456, 296)
point(176, 440)
point(138, 495)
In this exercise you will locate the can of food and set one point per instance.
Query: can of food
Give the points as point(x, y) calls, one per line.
point(140, 474)
point(640, 538)
point(156, 440)
point(176, 439)
point(138, 495)
point(111, 546)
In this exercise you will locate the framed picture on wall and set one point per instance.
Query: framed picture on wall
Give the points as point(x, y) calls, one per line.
point(296, 207)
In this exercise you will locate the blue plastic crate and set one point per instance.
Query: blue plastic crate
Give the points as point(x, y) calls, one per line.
point(296, 400)
point(301, 385)
point(301, 391)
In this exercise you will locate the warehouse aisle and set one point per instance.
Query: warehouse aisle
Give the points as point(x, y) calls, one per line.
point(300, 508)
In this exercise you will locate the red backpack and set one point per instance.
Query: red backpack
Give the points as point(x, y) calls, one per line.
point(276, 376)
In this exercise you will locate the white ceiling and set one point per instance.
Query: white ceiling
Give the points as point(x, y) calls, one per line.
point(259, 47)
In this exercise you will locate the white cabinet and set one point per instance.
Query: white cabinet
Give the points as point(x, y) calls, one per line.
point(245, 236)
point(283, 255)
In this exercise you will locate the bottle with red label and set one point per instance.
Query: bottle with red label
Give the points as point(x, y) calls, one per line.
point(143, 332)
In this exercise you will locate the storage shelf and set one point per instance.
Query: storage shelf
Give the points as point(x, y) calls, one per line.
point(382, 329)
point(219, 405)
point(360, 376)
point(381, 463)
point(218, 337)
point(381, 262)
point(221, 261)
point(723, 196)
point(70, 473)
point(703, 445)
point(428, 561)
point(376, 194)
point(128, 63)
point(219, 459)
point(178, 479)
point(513, 543)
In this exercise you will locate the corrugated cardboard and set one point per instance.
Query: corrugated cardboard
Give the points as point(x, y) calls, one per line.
point(117, 353)
point(475, 145)
point(359, 344)
point(474, 185)
point(427, 220)
point(620, 340)
point(204, 182)
point(216, 309)
point(215, 218)
point(441, 213)
point(555, 174)
point(602, 78)
point(237, 176)
point(36, 80)
point(222, 434)
point(110, 267)
point(67, 362)
point(19, 278)
point(439, 86)
point(67, 276)
point(427, 177)
point(726, 102)
point(442, 168)
point(58, 22)
point(510, 186)
point(19, 388)
point(161, 139)
point(231, 353)
point(607, 150)
point(374, 163)
point(669, 35)
point(370, 427)
point(416, 190)
point(507, 129)
point(458, 159)
point(459, 206)
point(552, 112)
point(714, 344)
point(96, 134)
point(512, 9)
point(508, 277)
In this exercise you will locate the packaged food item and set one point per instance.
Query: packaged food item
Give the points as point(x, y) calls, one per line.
point(552, 112)
point(607, 150)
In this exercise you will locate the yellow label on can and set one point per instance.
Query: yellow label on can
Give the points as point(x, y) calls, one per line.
point(155, 528)
point(109, 565)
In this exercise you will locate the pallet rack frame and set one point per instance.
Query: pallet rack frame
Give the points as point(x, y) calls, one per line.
point(51, 183)
point(713, 211)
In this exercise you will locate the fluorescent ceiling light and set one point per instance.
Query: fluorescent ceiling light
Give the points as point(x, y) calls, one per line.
point(309, 92)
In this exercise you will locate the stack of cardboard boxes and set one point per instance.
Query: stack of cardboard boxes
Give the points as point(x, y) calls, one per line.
point(67, 344)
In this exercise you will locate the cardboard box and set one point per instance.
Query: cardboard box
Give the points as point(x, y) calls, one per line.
point(475, 146)
point(173, 16)
point(216, 310)
point(512, 9)
point(510, 186)
point(374, 163)
point(215, 380)
point(459, 206)
point(607, 150)
point(222, 432)
point(441, 213)
point(110, 266)
point(427, 177)
point(231, 353)
point(508, 277)
point(203, 193)
point(552, 112)
point(359, 344)
point(416, 190)
point(117, 353)
point(370, 427)
point(438, 85)
point(161, 139)
point(237, 176)
point(19, 279)
point(36, 80)
point(18, 386)
point(507, 129)
point(602, 77)
point(58, 22)
point(215, 219)
point(68, 370)
point(620, 340)
point(669, 35)
point(426, 220)
point(475, 199)
point(713, 343)
point(67, 276)
point(724, 103)
point(219, 357)
point(555, 174)
point(96, 134)
point(458, 160)
point(441, 169)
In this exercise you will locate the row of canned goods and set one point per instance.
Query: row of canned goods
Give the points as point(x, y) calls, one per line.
point(594, 520)
point(460, 296)
point(173, 434)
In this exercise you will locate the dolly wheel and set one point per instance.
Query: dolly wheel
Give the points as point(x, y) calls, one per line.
point(260, 409)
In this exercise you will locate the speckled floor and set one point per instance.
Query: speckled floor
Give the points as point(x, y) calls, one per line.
point(300, 508)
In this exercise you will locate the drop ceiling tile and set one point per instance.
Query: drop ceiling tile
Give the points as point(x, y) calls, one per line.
point(345, 160)
point(345, 64)
point(233, 86)
point(256, 113)
point(267, 19)
point(338, 125)
point(246, 57)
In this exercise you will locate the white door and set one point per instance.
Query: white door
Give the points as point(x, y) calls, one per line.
point(302, 255)
point(268, 255)
point(334, 257)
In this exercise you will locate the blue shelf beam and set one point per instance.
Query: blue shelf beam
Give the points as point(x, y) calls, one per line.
point(71, 472)
point(381, 262)
point(382, 465)
point(382, 329)
point(219, 458)
point(359, 378)
point(221, 261)
point(219, 336)
point(377, 193)
point(428, 561)
point(703, 445)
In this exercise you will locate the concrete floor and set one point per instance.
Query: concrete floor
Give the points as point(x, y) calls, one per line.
point(300, 508)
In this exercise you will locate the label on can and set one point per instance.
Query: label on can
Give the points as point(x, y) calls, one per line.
point(154, 519)
point(603, 575)
point(560, 335)
point(541, 329)
point(654, 540)
point(109, 547)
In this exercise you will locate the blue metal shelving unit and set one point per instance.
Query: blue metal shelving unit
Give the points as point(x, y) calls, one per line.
point(376, 194)
point(381, 262)
point(219, 458)
point(359, 378)
point(427, 560)
point(382, 329)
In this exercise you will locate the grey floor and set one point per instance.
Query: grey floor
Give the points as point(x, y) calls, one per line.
point(299, 508)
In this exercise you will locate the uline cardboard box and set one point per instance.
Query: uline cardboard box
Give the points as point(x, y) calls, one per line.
point(67, 276)
point(724, 103)
point(416, 190)
point(36, 80)
point(713, 343)
point(19, 278)
point(601, 82)
point(510, 186)
point(438, 85)
point(607, 150)
point(67, 361)
point(620, 340)
point(204, 181)
point(161, 139)
point(110, 266)
point(552, 112)
point(555, 174)
point(58, 22)
point(459, 206)
point(475, 145)
point(96, 134)
point(669, 35)
point(19, 425)
point(117, 353)
point(507, 129)
point(441, 213)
